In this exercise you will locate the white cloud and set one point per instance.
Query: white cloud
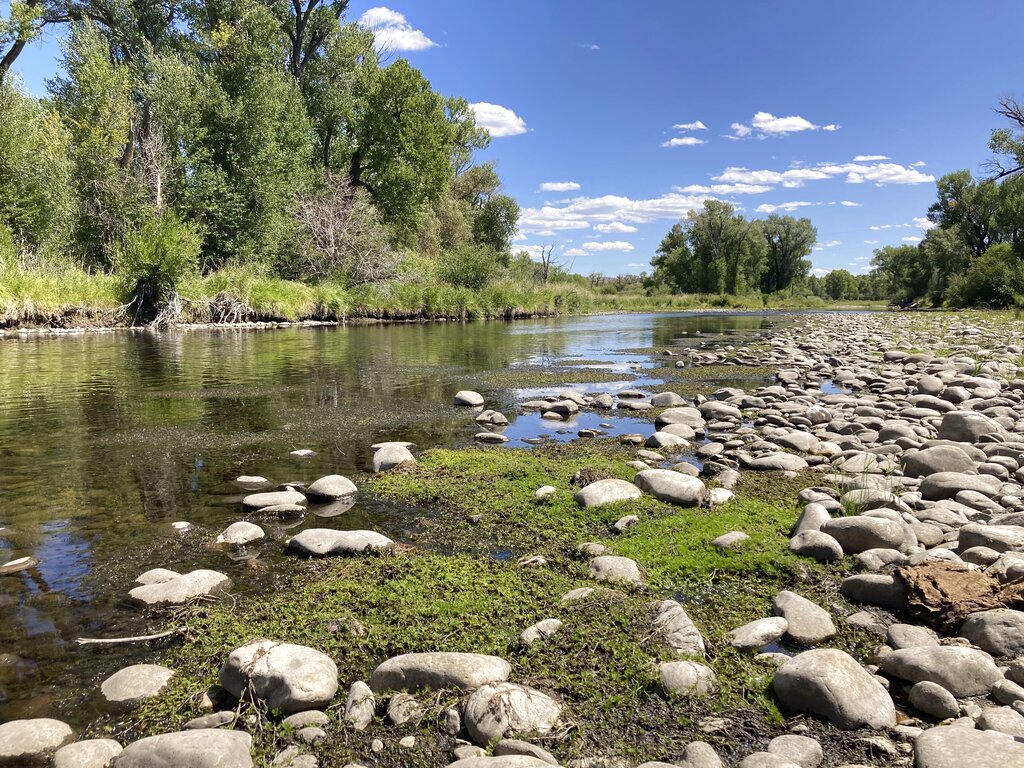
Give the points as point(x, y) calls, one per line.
point(911, 239)
point(391, 31)
point(851, 204)
point(559, 186)
point(872, 242)
point(769, 208)
point(819, 272)
point(829, 244)
point(766, 124)
point(575, 252)
point(918, 164)
point(615, 226)
point(685, 141)
point(856, 173)
point(612, 245)
point(919, 222)
point(584, 212)
point(499, 121)
point(697, 125)
point(589, 46)
point(533, 250)
point(723, 189)
point(922, 222)
point(870, 158)
point(635, 265)
point(741, 130)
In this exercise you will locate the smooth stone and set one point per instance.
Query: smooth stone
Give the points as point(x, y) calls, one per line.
point(331, 487)
point(672, 487)
point(1004, 720)
point(498, 709)
point(934, 700)
point(502, 761)
point(940, 458)
point(305, 719)
point(31, 742)
point(577, 594)
point(540, 631)
point(189, 749)
point(404, 708)
point(181, 589)
point(947, 747)
point(239, 534)
point(730, 540)
point(302, 453)
point(17, 565)
point(677, 629)
point(360, 705)
point(322, 542)
point(257, 501)
point(525, 748)
point(390, 456)
point(859, 533)
point(284, 676)
point(801, 750)
point(607, 491)
point(545, 491)
point(946, 485)
point(128, 688)
point(668, 400)
point(687, 677)
point(612, 568)
point(92, 753)
point(1001, 538)
point(966, 427)
point(899, 636)
point(831, 684)
point(758, 633)
point(817, 545)
point(808, 623)
point(961, 671)
point(435, 671)
point(777, 462)
point(879, 589)
point(213, 720)
point(999, 631)
point(468, 398)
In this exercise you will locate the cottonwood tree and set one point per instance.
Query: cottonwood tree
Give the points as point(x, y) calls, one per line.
point(789, 241)
point(1008, 145)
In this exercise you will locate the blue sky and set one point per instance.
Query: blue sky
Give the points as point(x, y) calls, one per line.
point(842, 112)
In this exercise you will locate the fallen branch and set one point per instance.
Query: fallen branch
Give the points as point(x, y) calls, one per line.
point(137, 639)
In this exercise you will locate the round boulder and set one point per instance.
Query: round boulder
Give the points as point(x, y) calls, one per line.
point(126, 689)
point(290, 678)
point(201, 748)
point(31, 742)
point(468, 398)
point(331, 487)
point(499, 709)
point(435, 671)
point(322, 542)
point(607, 491)
point(672, 487)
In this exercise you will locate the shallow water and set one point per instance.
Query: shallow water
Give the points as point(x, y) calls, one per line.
point(105, 440)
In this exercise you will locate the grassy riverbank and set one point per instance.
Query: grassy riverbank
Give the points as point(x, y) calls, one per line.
point(71, 297)
point(458, 584)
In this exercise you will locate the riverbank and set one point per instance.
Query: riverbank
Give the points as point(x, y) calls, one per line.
point(740, 581)
point(75, 300)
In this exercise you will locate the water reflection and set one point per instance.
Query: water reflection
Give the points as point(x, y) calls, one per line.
point(107, 439)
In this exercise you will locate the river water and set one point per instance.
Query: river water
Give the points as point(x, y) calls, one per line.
point(107, 439)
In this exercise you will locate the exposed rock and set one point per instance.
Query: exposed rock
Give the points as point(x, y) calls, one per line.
point(31, 742)
point(503, 761)
point(934, 700)
point(730, 540)
point(283, 676)
point(404, 708)
point(540, 631)
point(687, 677)
point(1001, 538)
point(331, 487)
point(961, 671)
point(239, 534)
point(817, 545)
point(859, 533)
point(999, 631)
point(616, 569)
point(434, 671)
point(940, 458)
point(181, 589)
point(607, 491)
point(92, 753)
point(801, 750)
point(496, 710)
point(321, 542)
point(189, 749)
point(672, 487)
point(948, 747)
point(946, 485)
point(390, 456)
point(758, 633)
point(966, 427)
point(360, 705)
point(468, 398)
point(677, 628)
point(808, 623)
point(126, 689)
point(781, 462)
point(257, 501)
point(875, 589)
point(516, 747)
point(831, 684)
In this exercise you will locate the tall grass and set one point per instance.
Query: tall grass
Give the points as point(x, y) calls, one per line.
point(40, 295)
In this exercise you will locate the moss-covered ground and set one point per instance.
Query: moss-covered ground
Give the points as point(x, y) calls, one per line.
point(457, 584)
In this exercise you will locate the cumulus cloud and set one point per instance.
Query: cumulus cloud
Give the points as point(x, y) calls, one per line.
point(533, 250)
point(559, 186)
point(911, 239)
point(575, 252)
point(872, 242)
point(851, 204)
point(392, 32)
point(870, 158)
point(792, 206)
point(723, 189)
point(696, 125)
point(589, 46)
point(612, 245)
point(615, 226)
point(765, 124)
point(819, 272)
point(919, 222)
point(683, 141)
point(922, 222)
point(855, 173)
point(585, 212)
point(829, 244)
point(499, 121)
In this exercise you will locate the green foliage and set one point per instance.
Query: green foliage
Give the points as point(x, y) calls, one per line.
point(472, 266)
point(790, 241)
point(152, 261)
point(995, 280)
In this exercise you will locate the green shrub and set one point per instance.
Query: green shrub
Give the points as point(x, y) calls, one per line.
point(471, 266)
point(993, 280)
point(152, 260)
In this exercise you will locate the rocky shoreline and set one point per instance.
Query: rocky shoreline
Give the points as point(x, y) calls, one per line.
point(891, 629)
